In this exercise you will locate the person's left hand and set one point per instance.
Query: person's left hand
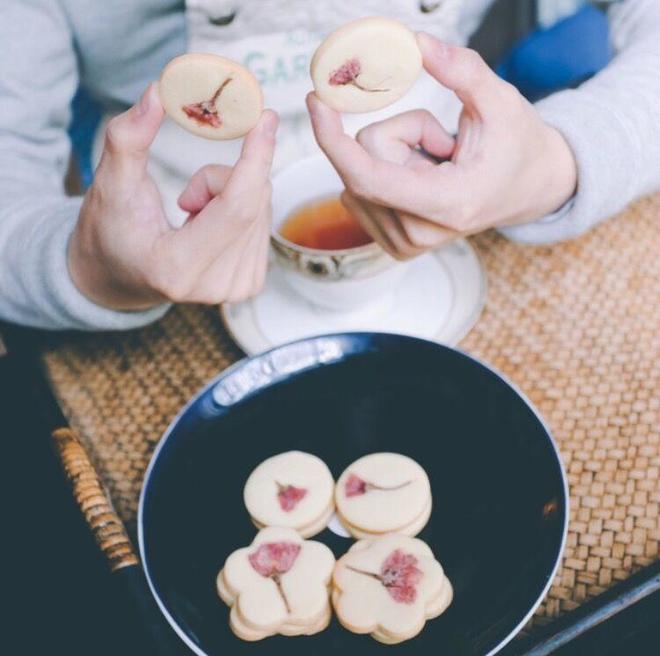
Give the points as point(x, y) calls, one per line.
point(506, 166)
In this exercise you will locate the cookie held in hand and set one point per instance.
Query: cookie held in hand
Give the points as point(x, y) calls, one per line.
point(389, 587)
point(279, 584)
point(366, 65)
point(211, 96)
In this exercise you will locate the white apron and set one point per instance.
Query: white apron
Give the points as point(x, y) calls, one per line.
point(275, 39)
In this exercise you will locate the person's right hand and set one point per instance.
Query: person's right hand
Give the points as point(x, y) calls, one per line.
point(123, 253)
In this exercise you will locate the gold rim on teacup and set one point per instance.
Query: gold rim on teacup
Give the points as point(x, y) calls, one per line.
point(341, 264)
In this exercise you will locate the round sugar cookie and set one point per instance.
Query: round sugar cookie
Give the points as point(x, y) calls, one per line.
point(389, 587)
point(211, 96)
point(312, 529)
point(410, 530)
point(366, 65)
point(292, 489)
point(383, 492)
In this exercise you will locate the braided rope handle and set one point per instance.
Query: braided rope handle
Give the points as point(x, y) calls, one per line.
point(94, 502)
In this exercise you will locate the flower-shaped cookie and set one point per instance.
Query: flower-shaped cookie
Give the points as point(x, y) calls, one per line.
point(388, 587)
point(279, 584)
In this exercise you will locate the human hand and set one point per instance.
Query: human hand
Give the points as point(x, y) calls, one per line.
point(506, 166)
point(123, 253)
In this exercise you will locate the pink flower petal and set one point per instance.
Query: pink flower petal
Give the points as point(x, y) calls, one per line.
point(345, 73)
point(355, 486)
point(204, 113)
point(274, 558)
point(289, 497)
point(399, 574)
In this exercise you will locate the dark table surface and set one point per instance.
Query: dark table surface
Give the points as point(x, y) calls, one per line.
point(60, 597)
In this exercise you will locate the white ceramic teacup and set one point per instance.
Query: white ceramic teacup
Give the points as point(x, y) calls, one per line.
point(343, 280)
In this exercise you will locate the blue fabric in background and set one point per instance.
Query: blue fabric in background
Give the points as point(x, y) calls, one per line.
point(562, 56)
point(85, 119)
point(545, 61)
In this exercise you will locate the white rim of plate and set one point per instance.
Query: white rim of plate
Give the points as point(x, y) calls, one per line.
point(241, 323)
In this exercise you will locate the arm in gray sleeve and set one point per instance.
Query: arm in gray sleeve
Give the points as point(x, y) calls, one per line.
point(611, 123)
point(38, 78)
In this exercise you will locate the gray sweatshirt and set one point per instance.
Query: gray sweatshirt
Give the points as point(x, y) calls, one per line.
point(114, 49)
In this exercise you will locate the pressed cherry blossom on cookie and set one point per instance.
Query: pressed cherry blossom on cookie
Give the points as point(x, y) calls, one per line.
point(348, 73)
point(399, 575)
point(289, 496)
point(274, 558)
point(206, 112)
point(355, 486)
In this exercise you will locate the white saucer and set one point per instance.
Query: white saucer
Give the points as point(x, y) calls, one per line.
point(439, 298)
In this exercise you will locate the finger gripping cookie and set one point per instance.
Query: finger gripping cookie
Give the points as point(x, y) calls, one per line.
point(293, 489)
point(381, 493)
point(211, 96)
point(279, 584)
point(365, 65)
point(389, 587)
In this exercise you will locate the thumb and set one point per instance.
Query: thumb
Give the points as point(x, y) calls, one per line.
point(129, 135)
point(461, 70)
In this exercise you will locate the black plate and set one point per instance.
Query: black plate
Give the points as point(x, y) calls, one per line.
point(499, 516)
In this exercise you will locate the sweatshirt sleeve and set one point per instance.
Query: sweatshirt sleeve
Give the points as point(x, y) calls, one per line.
point(611, 124)
point(38, 78)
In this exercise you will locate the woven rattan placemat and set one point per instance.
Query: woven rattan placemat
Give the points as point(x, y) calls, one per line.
point(575, 325)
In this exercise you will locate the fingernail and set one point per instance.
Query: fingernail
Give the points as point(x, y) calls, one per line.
point(439, 48)
point(314, 105)
point(145, 101)
point(269, 125)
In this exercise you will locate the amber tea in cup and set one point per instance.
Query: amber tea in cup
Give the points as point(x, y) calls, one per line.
point(320, 250)
point(324, 224)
